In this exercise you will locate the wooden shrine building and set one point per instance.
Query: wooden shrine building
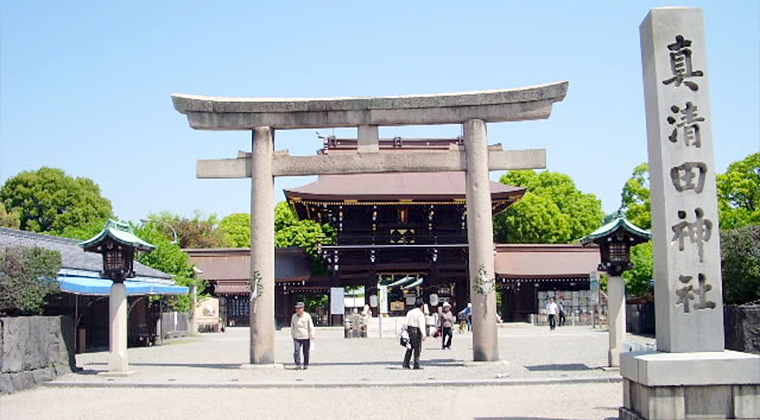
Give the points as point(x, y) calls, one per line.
point(400, 225)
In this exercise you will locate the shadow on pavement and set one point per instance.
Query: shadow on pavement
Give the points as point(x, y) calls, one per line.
point(568, 367)
point(192, 365)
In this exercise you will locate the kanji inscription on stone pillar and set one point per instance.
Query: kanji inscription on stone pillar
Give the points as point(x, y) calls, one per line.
point(688, 289)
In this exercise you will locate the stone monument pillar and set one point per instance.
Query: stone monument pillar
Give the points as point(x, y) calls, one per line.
point(691, 376)
point(118, 362)
point(480, 237)
point(262, 247)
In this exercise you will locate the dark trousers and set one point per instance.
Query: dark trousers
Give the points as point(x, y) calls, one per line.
point(415, 339)
point(446, 334)
point(552, 321)
point(561, 319)
point(297, 345)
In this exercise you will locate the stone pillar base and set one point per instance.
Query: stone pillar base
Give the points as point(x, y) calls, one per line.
point(679, 386)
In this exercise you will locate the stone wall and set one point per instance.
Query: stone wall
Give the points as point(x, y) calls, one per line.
point(34, 350)
point(742, 328)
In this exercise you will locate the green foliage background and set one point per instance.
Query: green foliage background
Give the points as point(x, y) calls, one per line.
point(169, 258)
point(9, 219)
point(635, 198)
point(740, 259)
point(27, 277)
point(291, 232)
point(237, 229)
point(553, 210)
point(739, 193)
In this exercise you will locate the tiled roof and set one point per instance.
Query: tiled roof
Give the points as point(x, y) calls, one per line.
point(528, 261)
point(394, 186)
point(72, 255)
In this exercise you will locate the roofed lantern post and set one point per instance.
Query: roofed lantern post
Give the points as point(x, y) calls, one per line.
point(264, 115)
point(118, 243)
point(615, 240)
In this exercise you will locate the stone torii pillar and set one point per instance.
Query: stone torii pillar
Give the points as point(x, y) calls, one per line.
point(480, 238)
point(477, 158)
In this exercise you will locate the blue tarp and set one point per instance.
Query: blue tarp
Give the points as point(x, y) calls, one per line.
point(102, 287)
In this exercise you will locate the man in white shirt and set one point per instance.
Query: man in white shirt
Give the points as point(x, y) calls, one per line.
point(415, 325)
point(302, 330)
point(552, 310)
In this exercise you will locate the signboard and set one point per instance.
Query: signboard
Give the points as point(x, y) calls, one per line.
point(337, 301)
point(383, 299)
point(594, 282)
point(373, 301)
point(434, 299)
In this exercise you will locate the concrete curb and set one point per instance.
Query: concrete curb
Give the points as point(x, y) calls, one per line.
point(301, 384)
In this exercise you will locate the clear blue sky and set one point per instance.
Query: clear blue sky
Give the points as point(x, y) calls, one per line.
point(85, 86)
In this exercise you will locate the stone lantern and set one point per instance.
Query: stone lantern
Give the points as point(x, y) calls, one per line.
point(117, 243)
point(615, 240)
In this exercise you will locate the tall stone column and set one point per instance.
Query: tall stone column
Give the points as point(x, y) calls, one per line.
point(262, 246)
point(480, 238)
point(616, 317)
point(118, 361)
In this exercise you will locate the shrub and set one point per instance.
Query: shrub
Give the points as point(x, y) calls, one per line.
point(27, 277)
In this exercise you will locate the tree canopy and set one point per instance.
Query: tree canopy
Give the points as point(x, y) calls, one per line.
point(635, 198)
point(9, 219)
point(237, 229)
point(49, 200)
point(739, 193)
point(194, 232)
point(553, 210)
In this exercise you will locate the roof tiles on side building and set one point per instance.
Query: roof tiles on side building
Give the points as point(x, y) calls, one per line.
point(72, 255)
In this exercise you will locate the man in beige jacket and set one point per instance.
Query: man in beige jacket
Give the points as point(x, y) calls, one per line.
point(302, 330)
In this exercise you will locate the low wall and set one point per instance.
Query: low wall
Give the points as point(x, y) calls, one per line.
point(639, 318)
point(742, 326)
point(34, 350)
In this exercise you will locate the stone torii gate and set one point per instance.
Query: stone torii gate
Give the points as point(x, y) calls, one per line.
point(472, 109)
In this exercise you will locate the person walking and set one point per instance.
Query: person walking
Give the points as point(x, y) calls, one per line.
point(552, 310)
point(447, 323)
point(415, 325)
point(302, 330)
point(561, 313)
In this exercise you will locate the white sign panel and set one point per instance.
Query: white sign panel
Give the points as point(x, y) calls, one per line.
point(383, 292)
point(337, 301)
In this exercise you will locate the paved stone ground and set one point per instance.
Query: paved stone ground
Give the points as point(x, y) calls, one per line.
point(538, 402)
point(543, 374)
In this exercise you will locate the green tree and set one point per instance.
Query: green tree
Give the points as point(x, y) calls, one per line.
point(237, 229)
point(740, 260)
point(195, 232)
point(635, 198)
point(291, 232)
point(48, 200)
point(739, 193)
point(553, 210)
point(83, 231)
point(637, 281)
point(27, 277)
point(9, 219)
point(169, 258)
